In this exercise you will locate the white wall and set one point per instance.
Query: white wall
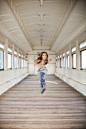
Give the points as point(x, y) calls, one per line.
point(11, 77)
point(76, 79)
point(32, 69)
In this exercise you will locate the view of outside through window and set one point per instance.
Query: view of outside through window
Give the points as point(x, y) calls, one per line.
point(1, 60)
point(9, 60)
point(74, 60)
point(15, 62)
point(83, 59)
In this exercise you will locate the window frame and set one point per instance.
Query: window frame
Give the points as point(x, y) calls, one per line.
point(15, 55)
point(80, 50)
point(67, 59)
point(74, 52)
point(11, 57)
point(19, 57)
point(2, 49)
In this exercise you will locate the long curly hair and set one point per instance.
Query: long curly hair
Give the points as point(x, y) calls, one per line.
point(40, 58)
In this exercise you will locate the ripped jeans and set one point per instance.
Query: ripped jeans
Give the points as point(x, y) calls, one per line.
point(41, 76)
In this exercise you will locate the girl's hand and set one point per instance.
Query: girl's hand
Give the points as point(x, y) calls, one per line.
point(41, 65)
point(50, 59)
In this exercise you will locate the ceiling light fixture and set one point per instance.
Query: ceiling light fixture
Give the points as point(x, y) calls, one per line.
point(41, 2)
point(41, 16)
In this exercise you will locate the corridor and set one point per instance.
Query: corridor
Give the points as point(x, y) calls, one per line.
point(59, 107)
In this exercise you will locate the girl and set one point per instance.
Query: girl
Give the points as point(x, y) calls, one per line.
point(41, 61)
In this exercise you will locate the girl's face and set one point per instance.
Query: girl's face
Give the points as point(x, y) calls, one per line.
point(44, 56)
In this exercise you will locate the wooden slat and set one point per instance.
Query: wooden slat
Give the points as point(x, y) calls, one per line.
point(59, 107)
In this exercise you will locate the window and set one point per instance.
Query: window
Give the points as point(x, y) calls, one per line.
point(24, 62)
point(19, 60)
point(9, 61)
point(63, 60)
point(15, 59)
point(83, 59)
point(9, 58)
point(74, 60)
point(67, 62)
point(67, 52)
point(1, 56)
point(56, 61)
point(82, 48)
point(74, 57)
point(82, 45)
point(73, 49)
point(1, 60)
point(15, 62)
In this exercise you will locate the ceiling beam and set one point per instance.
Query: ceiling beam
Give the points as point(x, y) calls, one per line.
point(69, 9)
point(16, 16)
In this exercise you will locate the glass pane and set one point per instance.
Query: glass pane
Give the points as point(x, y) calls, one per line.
point(1, 45)
point(64, 62)
point(67, 62)
point(15, 62)
point(83, 59)
point(1, 59)
point(60, 55)
point(67, 52)
point(74, 60)
point(82, 45)
point(73, 49)
point(19, 54)
point(9, 61)
point(26, 63)
point(63, 54)
point(15, 52)
point(58, 63)
point(22, 62)
point(19, 62)
point(9, 49)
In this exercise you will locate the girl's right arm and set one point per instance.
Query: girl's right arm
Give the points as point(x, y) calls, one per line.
point(36, 63)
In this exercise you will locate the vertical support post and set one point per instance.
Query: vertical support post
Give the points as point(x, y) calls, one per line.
point(17, 58)
point(77, 55)
point(65, 60)
point(70, 57)
point(6, 54)
point(13, 56)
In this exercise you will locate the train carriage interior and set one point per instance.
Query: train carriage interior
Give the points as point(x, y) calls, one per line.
point(28, 28)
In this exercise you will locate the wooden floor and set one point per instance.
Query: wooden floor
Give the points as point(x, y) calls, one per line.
point(60, 107)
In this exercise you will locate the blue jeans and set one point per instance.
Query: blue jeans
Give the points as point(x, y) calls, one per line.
point(41, 76)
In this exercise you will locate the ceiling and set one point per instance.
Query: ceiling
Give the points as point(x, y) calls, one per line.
point(51, 23)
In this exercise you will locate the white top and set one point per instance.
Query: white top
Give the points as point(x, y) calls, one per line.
point(40, 69)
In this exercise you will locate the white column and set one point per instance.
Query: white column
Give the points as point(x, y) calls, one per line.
point(17, 58)
point(6, 54)
point(59, 62)
point(65, 60)
point(13, 56)
point(70, 57)
point(21, 59)
point(77, 55)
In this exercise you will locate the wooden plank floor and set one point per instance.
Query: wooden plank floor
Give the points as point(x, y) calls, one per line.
point(60, 107)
